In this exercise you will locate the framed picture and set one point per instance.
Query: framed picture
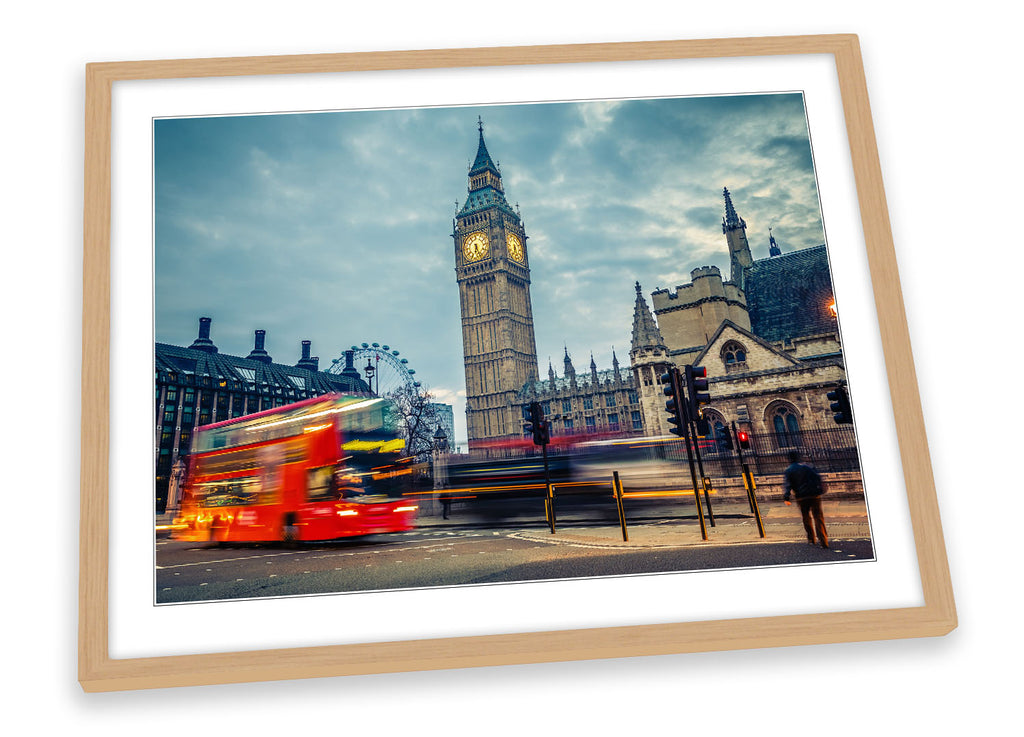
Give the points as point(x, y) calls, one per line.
point(705, 220)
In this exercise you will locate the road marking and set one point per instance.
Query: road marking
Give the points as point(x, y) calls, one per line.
point(387, 548)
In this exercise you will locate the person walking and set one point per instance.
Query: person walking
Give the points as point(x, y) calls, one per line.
point(804, 483)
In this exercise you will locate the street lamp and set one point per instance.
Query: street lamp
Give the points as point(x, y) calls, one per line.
point(440, 471)
point(440, 439)
point(370, 371)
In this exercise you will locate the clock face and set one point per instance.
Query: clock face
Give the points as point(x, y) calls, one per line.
point(515, 247)
point(474, 247)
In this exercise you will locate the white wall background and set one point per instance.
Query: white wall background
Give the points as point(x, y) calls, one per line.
point(943, 90)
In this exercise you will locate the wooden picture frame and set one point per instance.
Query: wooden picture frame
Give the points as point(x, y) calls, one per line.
point(98, 671)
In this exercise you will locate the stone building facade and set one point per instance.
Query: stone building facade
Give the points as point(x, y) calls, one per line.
point(768, 337)
point(597, 403)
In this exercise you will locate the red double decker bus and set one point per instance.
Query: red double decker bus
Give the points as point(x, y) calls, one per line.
point(319, 469)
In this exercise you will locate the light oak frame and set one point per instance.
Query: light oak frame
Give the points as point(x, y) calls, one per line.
point(99, 672)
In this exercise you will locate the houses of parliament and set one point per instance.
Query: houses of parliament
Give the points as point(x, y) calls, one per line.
point(767, 333)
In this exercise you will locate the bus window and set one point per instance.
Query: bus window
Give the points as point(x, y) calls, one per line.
point(320, 486)
point(234, 493)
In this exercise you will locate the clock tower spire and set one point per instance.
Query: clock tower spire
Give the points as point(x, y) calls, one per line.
point(493, 275)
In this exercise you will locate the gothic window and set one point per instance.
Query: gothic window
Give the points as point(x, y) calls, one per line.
point(633, 397)
point(588, 403)
point(717, 434)
point(785, 424)
point(611, 400)
point(734, 354)
point(567, 405)
point(635, 419)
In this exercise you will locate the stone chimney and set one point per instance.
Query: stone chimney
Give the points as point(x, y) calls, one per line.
point(203, 342)
point(306, 362)
point(350, 371)
point(258, 352)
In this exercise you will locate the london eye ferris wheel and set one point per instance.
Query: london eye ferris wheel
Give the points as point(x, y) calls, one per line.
point(381, 367)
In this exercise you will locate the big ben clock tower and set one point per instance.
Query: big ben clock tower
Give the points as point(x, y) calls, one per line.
point(493, 272)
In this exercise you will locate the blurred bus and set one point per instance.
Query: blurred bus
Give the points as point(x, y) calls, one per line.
point(641, 462)
point(320, 469)
point(501, 488)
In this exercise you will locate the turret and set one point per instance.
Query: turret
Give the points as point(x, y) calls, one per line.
point(773, 247)
point(735, 230)
point(570, 370)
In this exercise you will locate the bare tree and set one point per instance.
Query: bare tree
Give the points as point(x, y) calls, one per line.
point(418, 418)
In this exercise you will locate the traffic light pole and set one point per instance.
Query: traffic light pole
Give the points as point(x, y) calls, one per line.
point(748, 483)
point(540, 428)
point(696, 491)
point(549, 497)
point(617, 491)
point(691, 427)
point(682, 416)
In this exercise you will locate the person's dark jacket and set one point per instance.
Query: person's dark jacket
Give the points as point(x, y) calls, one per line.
point(803, 481)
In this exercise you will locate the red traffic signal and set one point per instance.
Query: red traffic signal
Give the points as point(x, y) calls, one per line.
point(743, 438)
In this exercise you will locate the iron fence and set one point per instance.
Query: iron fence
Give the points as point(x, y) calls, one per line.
point(829, 450)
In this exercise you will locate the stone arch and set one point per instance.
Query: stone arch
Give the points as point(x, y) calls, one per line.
point(784, 422)
point(717, 427)
point(733, 354)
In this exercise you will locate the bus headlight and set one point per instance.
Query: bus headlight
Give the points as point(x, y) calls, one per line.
point(412, 508)
point(347, 513)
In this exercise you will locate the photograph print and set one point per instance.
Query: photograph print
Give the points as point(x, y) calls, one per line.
point(480, 345)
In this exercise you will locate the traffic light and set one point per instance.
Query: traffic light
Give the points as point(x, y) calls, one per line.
point(674, 406)
point(840, 406)
point(743, 438)
point(724, 438)
point(696, 389)
point(538, 426)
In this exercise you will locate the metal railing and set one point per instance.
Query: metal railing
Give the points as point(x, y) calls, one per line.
point(829, 450)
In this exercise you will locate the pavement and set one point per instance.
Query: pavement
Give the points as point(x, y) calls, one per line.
point(734, 524)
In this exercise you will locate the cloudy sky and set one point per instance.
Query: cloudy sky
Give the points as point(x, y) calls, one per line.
point(335, 227)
